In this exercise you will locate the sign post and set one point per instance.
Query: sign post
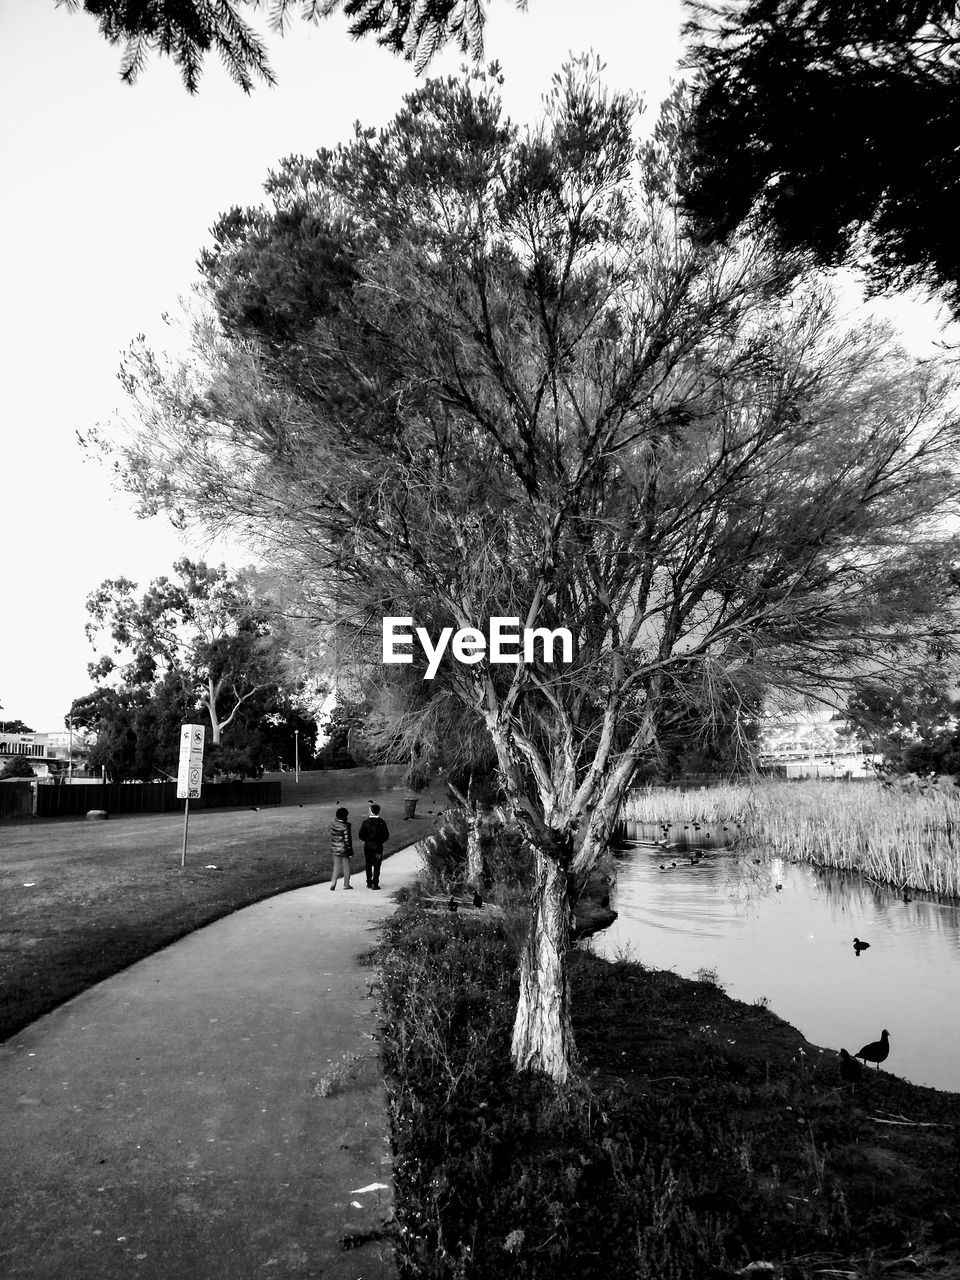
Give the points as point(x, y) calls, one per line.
point(190, 774)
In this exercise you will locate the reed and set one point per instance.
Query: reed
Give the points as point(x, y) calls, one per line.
point(910, 840)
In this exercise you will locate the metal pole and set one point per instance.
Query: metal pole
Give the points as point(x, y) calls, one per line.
point(296, 753)
point(186, 823)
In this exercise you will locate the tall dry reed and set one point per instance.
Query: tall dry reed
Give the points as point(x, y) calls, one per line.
point(887, 834)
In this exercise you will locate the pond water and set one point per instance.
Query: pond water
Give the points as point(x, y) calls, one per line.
point(793, 946)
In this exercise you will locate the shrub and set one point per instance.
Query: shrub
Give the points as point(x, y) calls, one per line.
point(17, 767)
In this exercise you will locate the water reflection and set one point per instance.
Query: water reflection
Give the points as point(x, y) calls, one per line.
point(785, 932)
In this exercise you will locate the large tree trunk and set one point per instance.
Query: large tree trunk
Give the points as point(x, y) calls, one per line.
point(542, 1032)
point(474, 848)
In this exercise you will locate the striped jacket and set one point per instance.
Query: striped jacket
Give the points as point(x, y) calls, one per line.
point(341, 839)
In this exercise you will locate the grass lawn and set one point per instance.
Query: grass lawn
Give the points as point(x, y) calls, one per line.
point(80, 899)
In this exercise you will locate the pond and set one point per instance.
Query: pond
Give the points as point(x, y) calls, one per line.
point(784, 933)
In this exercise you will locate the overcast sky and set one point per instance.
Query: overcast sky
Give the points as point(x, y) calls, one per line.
point(111, 191)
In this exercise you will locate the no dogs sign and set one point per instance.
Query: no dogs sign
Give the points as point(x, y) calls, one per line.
point(190, 773)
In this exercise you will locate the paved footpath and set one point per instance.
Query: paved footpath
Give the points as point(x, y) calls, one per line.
point(173, 1122)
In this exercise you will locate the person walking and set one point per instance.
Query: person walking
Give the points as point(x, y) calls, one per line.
point(374, 834)
point(341, 847)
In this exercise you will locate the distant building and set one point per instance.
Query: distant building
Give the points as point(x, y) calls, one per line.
point(814, 749)
point(50, 755)
point(34, 747)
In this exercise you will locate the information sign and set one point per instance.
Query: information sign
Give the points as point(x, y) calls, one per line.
point(190, 773)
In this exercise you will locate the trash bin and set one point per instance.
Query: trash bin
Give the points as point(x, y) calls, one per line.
point(410, 807)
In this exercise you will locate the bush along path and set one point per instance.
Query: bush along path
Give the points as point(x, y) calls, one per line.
point(705, 1138)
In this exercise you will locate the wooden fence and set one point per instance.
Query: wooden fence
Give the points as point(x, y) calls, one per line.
point(149, 797)
point(16, 799)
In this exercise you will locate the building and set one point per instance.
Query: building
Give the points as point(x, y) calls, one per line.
point(62, 753)
point(34, 747)
point(815, 749)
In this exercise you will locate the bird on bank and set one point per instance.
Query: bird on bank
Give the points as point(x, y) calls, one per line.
point(477, 899)
point(859, 946)
point(454, 904)
point(850, 1069)
point(877, 1051)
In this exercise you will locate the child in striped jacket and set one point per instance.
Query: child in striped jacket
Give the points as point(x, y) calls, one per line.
point(341, 847)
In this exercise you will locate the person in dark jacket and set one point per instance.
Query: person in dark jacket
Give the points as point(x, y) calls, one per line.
point(341, 847)
point(374, 834)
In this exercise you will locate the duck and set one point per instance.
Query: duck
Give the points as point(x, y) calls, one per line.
point(454, 905)
point(859, 946)
point(878, 1051)
point(477, 899)
point(850, 1068)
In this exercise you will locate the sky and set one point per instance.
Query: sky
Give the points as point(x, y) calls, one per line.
point(110, 194)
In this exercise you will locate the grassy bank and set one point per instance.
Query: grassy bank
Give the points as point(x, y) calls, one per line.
point(890, 835)
point(81, 900)
point(703, 1140)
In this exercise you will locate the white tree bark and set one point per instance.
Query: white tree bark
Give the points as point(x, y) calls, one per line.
point(474, 848)
point(542, 1030)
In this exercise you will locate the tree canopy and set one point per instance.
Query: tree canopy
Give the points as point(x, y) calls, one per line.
point(17, 767)
point(203, 643)
point(15, 726)
point(188, 30)
point(509, 384)
point(913, 723)
point(834, 124)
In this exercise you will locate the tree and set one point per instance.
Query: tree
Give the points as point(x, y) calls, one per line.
point(527, 393)
point(17, 767)
point(135, 729)
point(204, 628)
point(14, 726)
point(712, 734)
point(187, 30)
point(913, 723)
point(204, 644)
point(833, 124)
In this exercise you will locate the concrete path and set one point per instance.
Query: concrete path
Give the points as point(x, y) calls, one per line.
point(214, 1111)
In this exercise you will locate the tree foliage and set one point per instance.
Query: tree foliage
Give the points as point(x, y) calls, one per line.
point(188, 30)
point(15, 726)
point(914, 724)
point(525, 392)
point(17, 767)
point(834, 124)
point(203, 644)
point(204, 628)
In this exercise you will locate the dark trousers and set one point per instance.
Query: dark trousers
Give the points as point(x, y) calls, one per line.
point(372, 858)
